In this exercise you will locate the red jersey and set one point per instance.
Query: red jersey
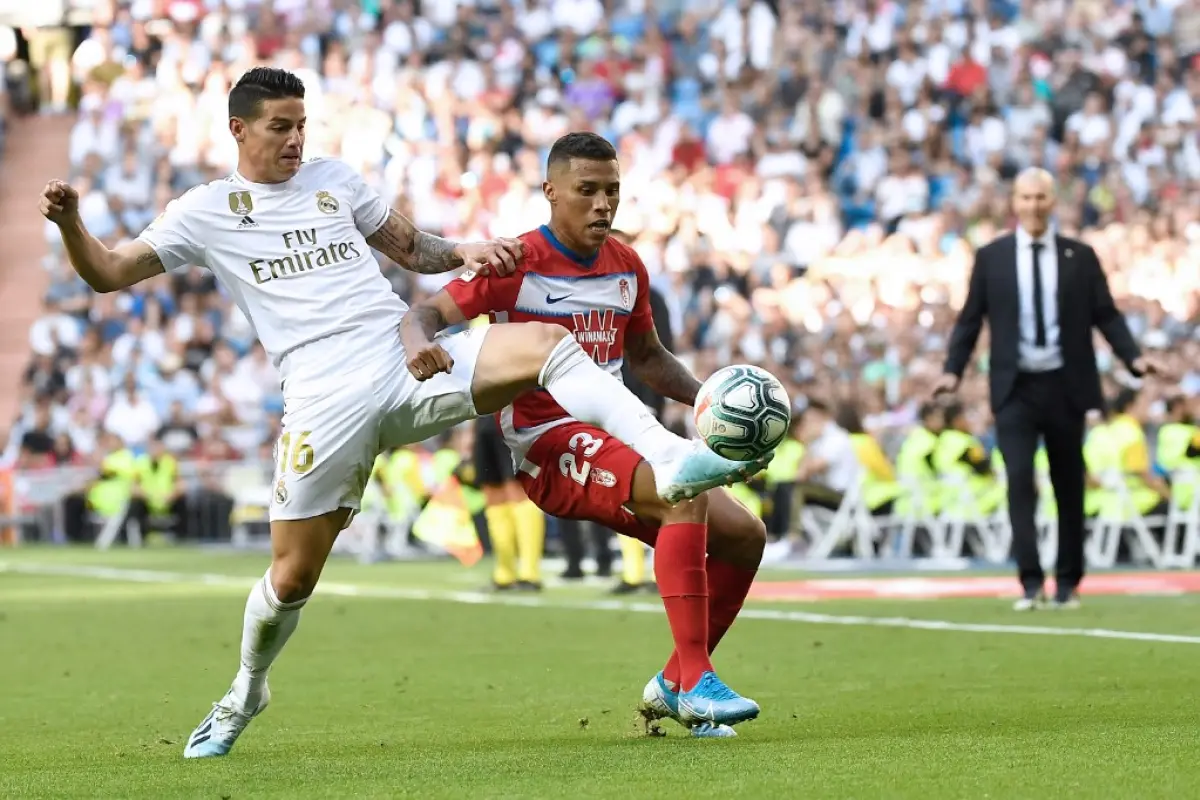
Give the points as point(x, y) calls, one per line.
point(599, 299)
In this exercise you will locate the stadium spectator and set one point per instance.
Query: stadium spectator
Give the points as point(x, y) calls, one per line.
point(806, 182)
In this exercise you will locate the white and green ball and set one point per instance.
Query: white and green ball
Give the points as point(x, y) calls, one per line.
point(742, 412)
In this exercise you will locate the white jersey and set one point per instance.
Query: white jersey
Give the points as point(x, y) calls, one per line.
point(295, 259)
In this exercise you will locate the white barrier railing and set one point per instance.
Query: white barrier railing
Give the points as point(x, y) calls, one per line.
point(37, 502)
point(245, 489)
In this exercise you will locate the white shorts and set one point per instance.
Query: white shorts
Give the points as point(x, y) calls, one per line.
point(332, 433)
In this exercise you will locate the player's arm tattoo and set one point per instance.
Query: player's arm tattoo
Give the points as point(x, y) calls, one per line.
point(148, 261)
point(412, 249)
point(109, 270)
point(144, 265)
point(424, 320)
point(659, 369)
point(421, 320)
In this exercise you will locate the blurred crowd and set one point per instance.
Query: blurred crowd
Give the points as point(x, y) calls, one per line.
point(805, 180)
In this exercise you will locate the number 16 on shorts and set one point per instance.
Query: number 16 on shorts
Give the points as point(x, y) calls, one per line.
point(577, 469)
point(293, 456)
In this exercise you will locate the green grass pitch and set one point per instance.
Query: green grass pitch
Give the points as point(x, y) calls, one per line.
point(102, 676)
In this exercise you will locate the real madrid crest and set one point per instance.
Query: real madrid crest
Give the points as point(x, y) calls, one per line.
point(624, 287)
point(241, 203)
point(281, 493)
point(327, 203)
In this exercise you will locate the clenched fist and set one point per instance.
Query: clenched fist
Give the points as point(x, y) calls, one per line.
point(59, 202)
point(428, 360)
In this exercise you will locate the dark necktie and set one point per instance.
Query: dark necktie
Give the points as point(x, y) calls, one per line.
point(1039, 314)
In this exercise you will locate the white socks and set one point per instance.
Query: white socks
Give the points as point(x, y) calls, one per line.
point(591, 395)
point(267, 627)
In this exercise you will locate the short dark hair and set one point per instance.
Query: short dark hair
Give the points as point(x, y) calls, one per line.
point(848, 418)
point(1124, 399)
point(953, 410)
point(928, 409)
point(580, 144)
point(819, 405)
point(259, 84)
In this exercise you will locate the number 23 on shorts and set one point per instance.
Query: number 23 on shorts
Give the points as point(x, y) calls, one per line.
point(295, 454)
point(577, 470)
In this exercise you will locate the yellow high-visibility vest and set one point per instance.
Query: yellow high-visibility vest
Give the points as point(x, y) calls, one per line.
point(879, 484)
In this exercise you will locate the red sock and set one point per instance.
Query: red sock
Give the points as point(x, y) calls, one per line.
point(680, 571)
point(728, 587)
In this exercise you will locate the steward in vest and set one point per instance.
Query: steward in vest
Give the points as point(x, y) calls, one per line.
point(395, 489)
point(403, 479)
point(961, 461)
point(107, 494)
point(1178, 451)
point(447, 518)
point(375, 493)
point(1095, 454)
point(1126, 452)
point(158, 493)
point(914, 464)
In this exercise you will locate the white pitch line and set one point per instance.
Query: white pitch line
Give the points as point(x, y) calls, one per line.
point(481, 598)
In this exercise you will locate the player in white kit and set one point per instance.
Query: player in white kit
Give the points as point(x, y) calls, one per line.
point(290, 241)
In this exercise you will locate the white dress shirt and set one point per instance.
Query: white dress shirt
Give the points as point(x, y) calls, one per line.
point(836, 449)
point(1030, 357)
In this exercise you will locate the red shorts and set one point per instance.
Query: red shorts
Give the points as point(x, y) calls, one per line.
point(577, 471)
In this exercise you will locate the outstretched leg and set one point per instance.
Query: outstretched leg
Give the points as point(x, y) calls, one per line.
point(517, 358)
point(299, 549)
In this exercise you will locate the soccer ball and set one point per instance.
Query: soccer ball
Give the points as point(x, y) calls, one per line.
point(742, 412)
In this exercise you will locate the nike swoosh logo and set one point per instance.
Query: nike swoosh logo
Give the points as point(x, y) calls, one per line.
point(553, 300)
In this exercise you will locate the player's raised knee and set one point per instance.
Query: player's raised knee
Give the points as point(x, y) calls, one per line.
point(519, 351)
point(530, 348)
point(542, 338)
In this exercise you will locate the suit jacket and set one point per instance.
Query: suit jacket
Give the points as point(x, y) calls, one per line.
point(1084, 302)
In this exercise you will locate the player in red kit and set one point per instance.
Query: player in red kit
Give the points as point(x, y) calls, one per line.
point(707, 548)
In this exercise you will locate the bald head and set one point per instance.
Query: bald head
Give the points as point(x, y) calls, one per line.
point(1033, 200)
point(1034, 179)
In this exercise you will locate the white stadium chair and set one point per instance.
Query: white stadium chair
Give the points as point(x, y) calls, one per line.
point(1125, 523)
point(852, 520)
point(1181, 542)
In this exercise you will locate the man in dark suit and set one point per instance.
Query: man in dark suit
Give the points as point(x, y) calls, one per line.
point(1041, 294)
